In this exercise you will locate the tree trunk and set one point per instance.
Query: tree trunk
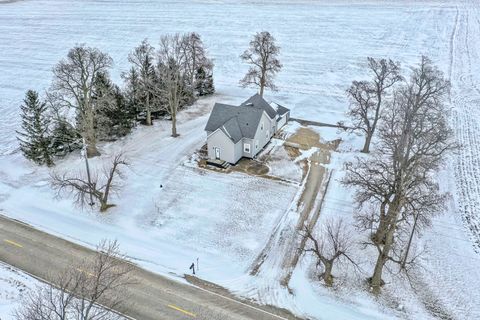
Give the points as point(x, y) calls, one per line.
point(327, 274)
point(104, 206)
point(368, 140)
point(92, 150)
point(149, 112)
point(262, 81)
point(89, 133)
point(174, 126)
point(404, 261)
point(379, 236)
point(376, 281)
point(194, 68)
point(91, 142)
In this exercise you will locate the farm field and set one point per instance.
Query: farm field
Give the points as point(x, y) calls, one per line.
point(226, 220)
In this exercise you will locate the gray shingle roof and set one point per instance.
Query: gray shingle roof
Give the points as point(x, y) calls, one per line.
point(232, 129)
point(281, 110)
point(257, 101)
point(224, 115)
point(242, 121)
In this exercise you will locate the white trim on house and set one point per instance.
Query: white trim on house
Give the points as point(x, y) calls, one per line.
point(213, 132)
point(226, 131)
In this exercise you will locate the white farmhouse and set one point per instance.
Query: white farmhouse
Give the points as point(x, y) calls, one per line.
point(234, 132)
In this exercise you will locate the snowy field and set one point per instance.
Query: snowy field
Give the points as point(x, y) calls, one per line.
point(324, 45)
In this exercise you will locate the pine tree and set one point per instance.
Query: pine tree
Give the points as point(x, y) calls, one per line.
point(132, 92)
point(143, 62)
point(204, 82)
point(113, 118)
point(35, 141)
point(65, 138)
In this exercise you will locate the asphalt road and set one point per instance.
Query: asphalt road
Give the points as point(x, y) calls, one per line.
point(153, 297)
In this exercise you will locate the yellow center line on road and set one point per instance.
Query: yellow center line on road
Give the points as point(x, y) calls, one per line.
point(83, 271)
point(181, 310)
point(13, 243)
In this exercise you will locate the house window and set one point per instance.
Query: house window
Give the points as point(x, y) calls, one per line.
point(261, 127)
point(246, 147)
point(256, 144)
point(267, 134)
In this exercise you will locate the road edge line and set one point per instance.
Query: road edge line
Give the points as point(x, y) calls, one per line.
point(56, 287)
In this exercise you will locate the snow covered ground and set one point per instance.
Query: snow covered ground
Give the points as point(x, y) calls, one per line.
point(323, 47)
point(13, 285)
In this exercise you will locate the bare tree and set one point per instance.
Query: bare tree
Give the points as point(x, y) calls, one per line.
point(98, 187)
point(399, 179)
point(73, 88)
point(143, 64)
point(262, 55)
point(367, 98)
point(102, 281)
point(85, 291)
point(172, 91)
point(331, 245)
point(48, 302)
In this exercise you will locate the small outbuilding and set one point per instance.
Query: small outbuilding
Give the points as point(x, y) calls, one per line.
point(240, 131)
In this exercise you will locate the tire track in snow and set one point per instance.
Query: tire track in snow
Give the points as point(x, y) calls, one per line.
point(452, 44)
point(465, 97)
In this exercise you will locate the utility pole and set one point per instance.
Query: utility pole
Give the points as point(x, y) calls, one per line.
point(84, 154)
point(404, 262)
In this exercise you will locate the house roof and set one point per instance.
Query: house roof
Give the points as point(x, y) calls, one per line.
point(236, 122)
point(242, 121)
point(281, 110)
point(257, 101)
point(232, 129)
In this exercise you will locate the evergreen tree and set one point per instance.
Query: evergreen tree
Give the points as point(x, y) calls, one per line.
point(35, 141)
point(143, 62)
point(113, 118)
point(132, 92)
point(65, 138)
point(204, 82)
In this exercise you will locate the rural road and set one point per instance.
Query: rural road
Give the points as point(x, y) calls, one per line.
point(153, 297)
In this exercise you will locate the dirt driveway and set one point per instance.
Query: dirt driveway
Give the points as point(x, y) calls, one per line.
point(284, 248)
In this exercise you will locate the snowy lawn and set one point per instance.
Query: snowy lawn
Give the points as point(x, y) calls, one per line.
point(14, 285)
point(168, 227)
point(282, 165)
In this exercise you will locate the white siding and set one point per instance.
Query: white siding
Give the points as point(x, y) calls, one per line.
point(261, 135)
point(228, 150)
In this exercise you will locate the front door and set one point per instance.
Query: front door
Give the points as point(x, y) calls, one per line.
point(217, 153)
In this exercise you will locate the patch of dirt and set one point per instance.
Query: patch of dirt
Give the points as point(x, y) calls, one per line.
point(292, 152)
point(251, 166)
point(257, 168)
point(305, 138)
